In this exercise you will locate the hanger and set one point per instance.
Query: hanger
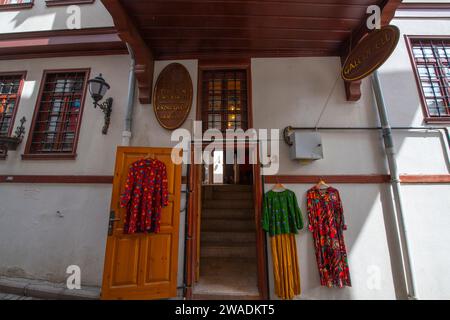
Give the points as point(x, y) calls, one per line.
point(321, 184)
point(278, 187)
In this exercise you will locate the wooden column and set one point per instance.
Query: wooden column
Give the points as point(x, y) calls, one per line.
point(128, 32)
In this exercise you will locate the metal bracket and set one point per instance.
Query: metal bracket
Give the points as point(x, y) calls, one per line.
point(106, 107)
point(287, 135)
point(112, 219)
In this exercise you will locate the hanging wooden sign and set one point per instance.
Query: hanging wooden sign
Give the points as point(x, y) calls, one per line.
point(370, 54)
point(172, 99)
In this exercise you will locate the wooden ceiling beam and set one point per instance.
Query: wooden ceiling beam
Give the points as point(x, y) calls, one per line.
point(353, 88)
point(129, 33)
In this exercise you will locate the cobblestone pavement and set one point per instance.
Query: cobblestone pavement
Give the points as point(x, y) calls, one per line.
point(8, 296)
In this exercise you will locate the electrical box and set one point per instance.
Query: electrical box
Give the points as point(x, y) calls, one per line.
point(306, 146)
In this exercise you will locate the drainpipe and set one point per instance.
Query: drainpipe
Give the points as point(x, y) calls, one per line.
point(126, 133)
point(408, 269)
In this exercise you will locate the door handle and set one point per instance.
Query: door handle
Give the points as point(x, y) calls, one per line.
point(112, 219)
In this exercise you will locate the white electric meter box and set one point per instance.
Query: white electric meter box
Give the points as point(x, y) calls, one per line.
point(306, 146)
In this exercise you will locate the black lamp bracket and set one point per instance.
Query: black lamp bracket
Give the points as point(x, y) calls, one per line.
point(106, 107)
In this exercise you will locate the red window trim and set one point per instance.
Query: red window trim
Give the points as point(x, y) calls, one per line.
point(19, 95)
point(59, 155)
point(409, 39)
point(224, 64)
point(55, 3)
point(16, 6)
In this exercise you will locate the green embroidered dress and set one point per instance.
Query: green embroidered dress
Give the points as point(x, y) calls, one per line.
point(281, 214)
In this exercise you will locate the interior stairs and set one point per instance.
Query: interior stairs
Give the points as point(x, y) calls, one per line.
point(228, 266)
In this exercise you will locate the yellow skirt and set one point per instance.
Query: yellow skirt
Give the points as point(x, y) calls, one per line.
point(285, 266)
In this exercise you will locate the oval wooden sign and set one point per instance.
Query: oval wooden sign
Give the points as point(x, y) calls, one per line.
point(370, 54)
point(172, 99)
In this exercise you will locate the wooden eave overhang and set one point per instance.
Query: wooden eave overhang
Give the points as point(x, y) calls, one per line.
point(61, 43)
point(218, 29)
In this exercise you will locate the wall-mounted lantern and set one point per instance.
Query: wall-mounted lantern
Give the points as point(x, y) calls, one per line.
point(98, 88)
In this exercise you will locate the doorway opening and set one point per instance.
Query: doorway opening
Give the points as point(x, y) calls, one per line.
point(228, 250)
point(227, 253)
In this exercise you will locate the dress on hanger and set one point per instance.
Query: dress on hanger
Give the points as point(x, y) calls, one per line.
point(326, 222)
point(146, 192)
point(282, 219)
point(281, 214)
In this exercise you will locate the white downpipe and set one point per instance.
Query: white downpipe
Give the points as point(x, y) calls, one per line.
point(401, 229)
point(127, 133)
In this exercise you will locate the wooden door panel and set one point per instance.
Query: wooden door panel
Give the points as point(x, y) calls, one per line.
point(143, 266)
point(126, 257)
point(167, 215)
point(158, 258)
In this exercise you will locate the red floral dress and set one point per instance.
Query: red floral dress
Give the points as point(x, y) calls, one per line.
point(145, 194)
point(326, 222)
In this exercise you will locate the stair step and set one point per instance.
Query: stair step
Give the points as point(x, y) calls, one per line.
point(228, 213)
point(233, 196)
point(228, 251)
point(227, 204)
point(218, 237)
point(228, 277)
point(231, 188)
point(227, 225)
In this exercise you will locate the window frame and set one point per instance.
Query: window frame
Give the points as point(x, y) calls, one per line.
point(56, 3)
point(23, 74)
point(16, 6)
point(224, 64)
point(28, 155)
point(409, 44)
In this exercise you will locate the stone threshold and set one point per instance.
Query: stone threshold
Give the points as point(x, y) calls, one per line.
point(46, 290)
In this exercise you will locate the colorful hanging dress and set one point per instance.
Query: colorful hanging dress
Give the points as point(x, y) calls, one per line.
point(282, 219)
point(145, 194)
point(326, 222)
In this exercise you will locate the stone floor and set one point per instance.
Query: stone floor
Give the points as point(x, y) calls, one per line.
point(8, 296)
point(233, 277)
point(44, 290)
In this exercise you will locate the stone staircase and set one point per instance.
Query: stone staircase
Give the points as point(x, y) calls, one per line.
point(228, 264)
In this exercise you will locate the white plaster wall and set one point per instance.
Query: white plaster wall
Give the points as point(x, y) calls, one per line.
point(38, 242)
point(288, 91)
point(404, 105)
point(28, 213)
point(293, 92)
point(146, 129)
point(43, 18)
point(428, 218)
point(95, 151)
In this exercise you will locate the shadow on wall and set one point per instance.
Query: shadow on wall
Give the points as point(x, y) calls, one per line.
point(42, 18)
point(365, 247)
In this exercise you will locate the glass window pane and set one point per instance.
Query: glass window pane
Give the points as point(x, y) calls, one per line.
point(59, 112)
point(428, 72)
point(9, 91)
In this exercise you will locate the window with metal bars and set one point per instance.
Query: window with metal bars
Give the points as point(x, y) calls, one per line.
point(16, 3)
point(432, 66)
point(57, 116)
point(224, 99)
point(10, 89)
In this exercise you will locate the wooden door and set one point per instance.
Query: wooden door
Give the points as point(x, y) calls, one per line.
point(143, 266)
